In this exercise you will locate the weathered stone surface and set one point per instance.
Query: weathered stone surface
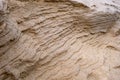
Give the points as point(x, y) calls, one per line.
point(58, 41)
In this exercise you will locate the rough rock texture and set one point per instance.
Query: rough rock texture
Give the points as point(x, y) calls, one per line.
point(58, 41)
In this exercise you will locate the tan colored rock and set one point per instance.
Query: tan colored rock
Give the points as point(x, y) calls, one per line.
point(58, 41)
point(8, 29)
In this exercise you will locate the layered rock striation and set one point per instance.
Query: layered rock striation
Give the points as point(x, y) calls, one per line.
point(43, 40)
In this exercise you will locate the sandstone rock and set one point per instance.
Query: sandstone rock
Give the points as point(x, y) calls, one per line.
point(58, 41)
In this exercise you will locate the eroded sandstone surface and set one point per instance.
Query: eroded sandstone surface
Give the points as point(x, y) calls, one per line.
point(58, 40)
